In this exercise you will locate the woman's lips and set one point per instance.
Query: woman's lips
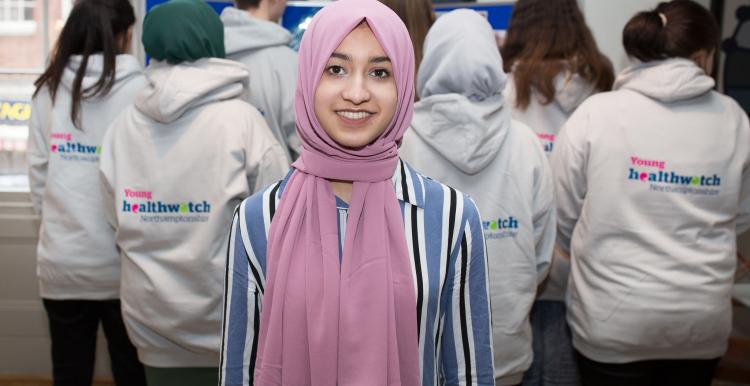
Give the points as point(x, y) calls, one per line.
point(354, 118)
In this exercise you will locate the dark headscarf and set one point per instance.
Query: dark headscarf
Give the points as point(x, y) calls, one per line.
point(183, 30)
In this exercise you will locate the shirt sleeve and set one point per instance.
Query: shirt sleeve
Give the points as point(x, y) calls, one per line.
point(544, 220)
point(38, 147)
point(466, 339)
point(243, 297)
point(569, 162)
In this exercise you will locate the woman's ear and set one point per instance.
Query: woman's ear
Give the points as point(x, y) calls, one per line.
point(705, 59)
point(125, 40)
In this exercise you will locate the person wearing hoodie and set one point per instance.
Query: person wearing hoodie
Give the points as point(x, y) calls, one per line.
point(253, 37)
point(652, 182)
point(90, 77)
point(174, 166)
point(554, 65)
point(463, 135)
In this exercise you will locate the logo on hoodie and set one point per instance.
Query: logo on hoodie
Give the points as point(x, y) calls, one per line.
point(654, 173)
point(143, 203)
point(503, 227)
point(548, 142)
point(63, 145)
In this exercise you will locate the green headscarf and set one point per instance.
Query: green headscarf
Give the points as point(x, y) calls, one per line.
point(183, 30)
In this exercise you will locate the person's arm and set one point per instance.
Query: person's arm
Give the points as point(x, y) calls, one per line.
point(545, 218)
point(107, 176)
point(466, 340)
point(287, 117)
point(265, 159)
point(243, 296)
point(569, 162)
point(743, 217)
point(38, 147)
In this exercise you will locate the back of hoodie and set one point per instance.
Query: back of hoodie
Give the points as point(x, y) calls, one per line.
point(546, 120)
point(77, 256)
point(176, 165)
point(652, 187)
point(462, 135)
point(263, 47)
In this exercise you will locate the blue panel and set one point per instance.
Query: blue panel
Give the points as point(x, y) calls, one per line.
point(497, 14)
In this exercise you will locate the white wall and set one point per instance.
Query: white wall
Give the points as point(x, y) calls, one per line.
point(607, 18)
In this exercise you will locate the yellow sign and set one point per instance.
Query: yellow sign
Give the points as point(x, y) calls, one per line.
point(14, 112)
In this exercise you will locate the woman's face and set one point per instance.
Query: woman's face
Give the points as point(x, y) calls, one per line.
point(356, 97)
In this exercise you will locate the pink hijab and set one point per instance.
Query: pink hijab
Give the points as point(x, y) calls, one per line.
point(353, 324)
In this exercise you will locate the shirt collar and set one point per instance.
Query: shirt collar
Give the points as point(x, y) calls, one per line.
point(408, 184)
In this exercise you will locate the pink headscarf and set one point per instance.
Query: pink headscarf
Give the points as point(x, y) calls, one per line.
point(357, 326)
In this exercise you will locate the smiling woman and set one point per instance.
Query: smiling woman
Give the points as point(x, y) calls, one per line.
point(356, 98)
point(369, 298)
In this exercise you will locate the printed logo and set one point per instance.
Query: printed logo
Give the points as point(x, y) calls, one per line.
point(548, 141)
point(73, 151)
point(660, 180)
point(501, 228)
point(142, 202)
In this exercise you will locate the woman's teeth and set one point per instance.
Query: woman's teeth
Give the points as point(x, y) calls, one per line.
point(354, 115)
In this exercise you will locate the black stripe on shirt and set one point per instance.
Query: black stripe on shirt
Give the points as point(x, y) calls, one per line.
point(462, 302)
point(256, 334)
point(404, 185)
point(272, 201)
point(236, 219)
point(417, 267)
point(448, 250)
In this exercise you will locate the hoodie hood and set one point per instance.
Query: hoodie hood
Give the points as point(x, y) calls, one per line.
point(175, 89)
point(670, 80)
point(126, 67)
point(461, 114)
point(243, 32)
point(571, 90)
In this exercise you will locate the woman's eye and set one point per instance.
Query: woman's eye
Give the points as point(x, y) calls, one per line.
point(335, 70)
point(380, 73)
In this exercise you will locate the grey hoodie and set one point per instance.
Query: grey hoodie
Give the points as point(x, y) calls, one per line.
point(652, 182)
point(263, 47)
point(463, 136)
point(546, 120)
point(77, 256)
point(175, 165)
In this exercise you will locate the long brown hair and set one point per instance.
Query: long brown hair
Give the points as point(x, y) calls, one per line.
point(418, 16)
point(545, 38)
point(94, 26)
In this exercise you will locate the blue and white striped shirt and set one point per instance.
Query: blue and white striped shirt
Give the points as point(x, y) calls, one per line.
point(449, 263)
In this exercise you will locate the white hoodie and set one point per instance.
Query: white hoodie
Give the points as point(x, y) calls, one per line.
point(175, 165)
point(652, 186)
point(76, 255)
point(546, 120)
point(463, 136)
point(263, 47)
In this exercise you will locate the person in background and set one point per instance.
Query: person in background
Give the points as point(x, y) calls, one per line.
point(652, 182)
point(356, 270)
point(554, 65)
point(90, 77)
point(463, 135)
point(253, 37)
point(418, 16)
point(174, 166)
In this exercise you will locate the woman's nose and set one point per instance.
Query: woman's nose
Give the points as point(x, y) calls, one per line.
point(356, 90)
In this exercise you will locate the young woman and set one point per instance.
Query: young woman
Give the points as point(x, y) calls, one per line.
point(464, 136)
point(356, 270)
point(174, 166)
point(652, 188)
point(89, 79)
point(554, 65)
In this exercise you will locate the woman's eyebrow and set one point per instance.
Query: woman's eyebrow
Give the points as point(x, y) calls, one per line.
point(347, 58)
point(379, 59)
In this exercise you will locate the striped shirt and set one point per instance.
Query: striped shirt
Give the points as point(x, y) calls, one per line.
point(446, 244)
